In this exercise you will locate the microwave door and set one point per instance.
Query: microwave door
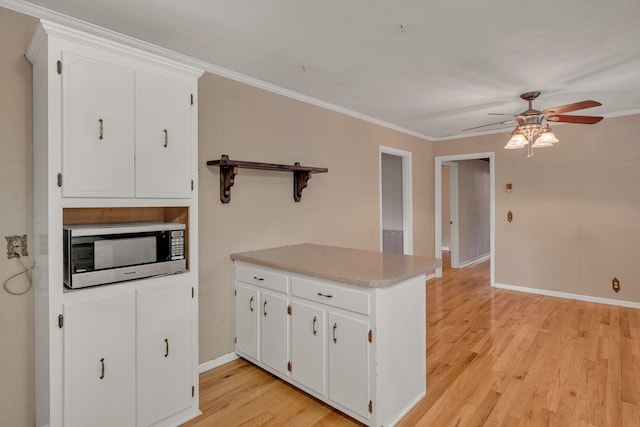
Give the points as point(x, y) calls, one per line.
point(114, 253)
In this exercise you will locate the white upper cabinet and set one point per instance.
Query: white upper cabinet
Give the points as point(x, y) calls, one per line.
point(98, 128)
point(163, 137)
point(127, 132)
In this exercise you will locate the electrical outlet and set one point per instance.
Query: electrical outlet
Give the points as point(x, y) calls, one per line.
point(16, 246)
point(615, 284)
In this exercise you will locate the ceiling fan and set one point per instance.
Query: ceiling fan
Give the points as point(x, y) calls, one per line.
point(532, 126)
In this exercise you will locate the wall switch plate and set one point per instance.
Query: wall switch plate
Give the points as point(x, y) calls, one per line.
point(16, 245)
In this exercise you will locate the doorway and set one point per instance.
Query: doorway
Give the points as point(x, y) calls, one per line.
point(396, 207)
point(450, 210)
point(451, 163)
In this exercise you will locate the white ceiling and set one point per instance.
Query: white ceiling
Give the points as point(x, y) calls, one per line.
point(429, 67)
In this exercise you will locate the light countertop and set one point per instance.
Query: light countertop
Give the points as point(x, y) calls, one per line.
point(352, 266)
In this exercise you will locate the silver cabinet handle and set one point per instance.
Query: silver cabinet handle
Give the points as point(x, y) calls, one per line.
point(325, 295)
point(166, 343)
point(166, 138)
point(251, 304)
point(264, 308)
point(315, 331)
point(335, 326)
point(102, 368)
point(101, 129)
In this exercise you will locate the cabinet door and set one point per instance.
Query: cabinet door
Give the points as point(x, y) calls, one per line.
point(247, 309)
point(163, 137)
point(97, 128)
point(349, 363)
point(274, 331)
point(99, 363)
point(308, 344)
point(164, 356)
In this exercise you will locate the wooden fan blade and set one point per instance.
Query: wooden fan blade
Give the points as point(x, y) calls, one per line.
point(563, 118)
point(490, 124)
point(571, 107)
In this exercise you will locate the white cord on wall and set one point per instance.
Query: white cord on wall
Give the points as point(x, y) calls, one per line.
point(27, 271)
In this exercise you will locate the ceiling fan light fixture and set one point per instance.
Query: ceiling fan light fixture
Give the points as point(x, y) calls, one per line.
point(532, 126)
point(517, 141)
point(546, 138)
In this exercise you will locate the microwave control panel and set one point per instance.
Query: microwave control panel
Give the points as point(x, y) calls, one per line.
point(177, 244)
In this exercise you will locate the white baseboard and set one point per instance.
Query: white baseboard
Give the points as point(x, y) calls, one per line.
point(431, 276)
point(219, 361)
point(567, 295)
point(446, 248)
point(474, 260)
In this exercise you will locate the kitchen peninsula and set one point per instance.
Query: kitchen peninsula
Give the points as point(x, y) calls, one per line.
point(347, 326)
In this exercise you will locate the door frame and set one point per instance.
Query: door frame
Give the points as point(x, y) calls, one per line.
point(407, 196)
point(492, 205)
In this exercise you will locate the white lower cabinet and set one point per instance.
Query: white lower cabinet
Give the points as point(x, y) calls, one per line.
point(339, 359)
point(99, 363)
point(164, 352)
point(359, 349)
point(308, 346)
point(262, 331)
point(246, 304)
point(128, 359)
point(274, 331)
point(349, 363)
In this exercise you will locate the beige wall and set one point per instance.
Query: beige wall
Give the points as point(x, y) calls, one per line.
point(576, 208)
point(16, 217)
point(338, 208)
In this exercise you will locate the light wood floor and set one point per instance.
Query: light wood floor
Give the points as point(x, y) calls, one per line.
point(494, 357)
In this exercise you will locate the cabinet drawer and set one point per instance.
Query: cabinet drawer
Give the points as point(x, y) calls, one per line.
point(336, 296)
point(263, 278)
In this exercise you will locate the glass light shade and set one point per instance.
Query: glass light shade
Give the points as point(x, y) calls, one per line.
point(546, 139)
point(517, 141)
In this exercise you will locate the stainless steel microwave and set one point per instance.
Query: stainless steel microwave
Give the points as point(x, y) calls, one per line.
point(98, 254)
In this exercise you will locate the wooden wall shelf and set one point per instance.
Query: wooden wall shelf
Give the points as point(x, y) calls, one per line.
point(229, 170)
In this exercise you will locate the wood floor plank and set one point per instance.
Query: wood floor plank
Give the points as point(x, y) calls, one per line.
point(494, 358)
point(598, 401)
